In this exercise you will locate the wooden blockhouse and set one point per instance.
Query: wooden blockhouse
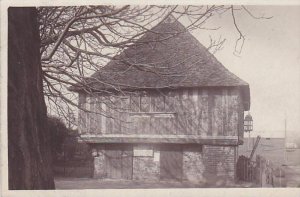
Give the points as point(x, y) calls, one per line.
point(165, 109)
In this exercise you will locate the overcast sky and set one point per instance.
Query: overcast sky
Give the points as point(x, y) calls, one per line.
point(269, 62)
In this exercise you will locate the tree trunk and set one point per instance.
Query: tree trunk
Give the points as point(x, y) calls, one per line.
point(29, 156)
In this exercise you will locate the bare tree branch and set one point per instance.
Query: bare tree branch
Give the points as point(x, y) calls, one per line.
point(79, 41)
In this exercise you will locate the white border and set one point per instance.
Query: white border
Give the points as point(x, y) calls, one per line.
point(3, 100)
point(241, 192)
point(145, 2)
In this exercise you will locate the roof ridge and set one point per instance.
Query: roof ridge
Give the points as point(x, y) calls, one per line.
point(182, 50)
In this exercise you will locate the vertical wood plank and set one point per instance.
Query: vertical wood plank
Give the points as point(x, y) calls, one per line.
point(233, 113)
point(118, 161)
point(87, 114)
point(210, 111)
point(225, 112)
point(98, 116)
point(109, 125)
point(217, 113)
point(127, 162)
point(180, 108)
point(203, 114)
point(81, 114)
point(169, 104)
point(92, 116)
point(116, 115)
point(240, 118)
point(186, 112)
point(156, 125)
point(135, 123)
point(124, 116)
point(113, 162)
point(171, 162)
point(147, 125)
point(103, 118)
point(195, 111)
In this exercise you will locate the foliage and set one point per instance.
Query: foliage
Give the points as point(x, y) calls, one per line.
point(58, 132)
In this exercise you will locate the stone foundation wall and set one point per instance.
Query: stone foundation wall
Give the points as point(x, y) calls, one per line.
point(193, 166)
point(219, 163)
point(201, 163)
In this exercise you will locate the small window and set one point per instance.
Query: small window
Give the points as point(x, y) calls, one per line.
point(125, 103)
point(169, 103)
point(135, 103)
point(159, 103)
point(145, 104)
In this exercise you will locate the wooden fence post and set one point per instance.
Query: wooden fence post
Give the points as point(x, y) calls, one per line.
point(264, 172)
point(258, 170)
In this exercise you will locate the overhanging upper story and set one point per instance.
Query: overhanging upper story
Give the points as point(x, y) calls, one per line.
point(163, 89)
point(194, 115)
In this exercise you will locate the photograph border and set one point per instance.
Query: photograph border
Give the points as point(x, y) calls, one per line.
point(246, 192)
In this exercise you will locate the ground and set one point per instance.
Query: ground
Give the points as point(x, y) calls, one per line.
point(292, 176)
point(273, 150)
point(88, 183)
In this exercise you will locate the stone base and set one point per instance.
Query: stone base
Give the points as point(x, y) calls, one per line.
point(201, 164)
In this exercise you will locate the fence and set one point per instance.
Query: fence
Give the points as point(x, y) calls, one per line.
point(268, 174)
point(262, 172)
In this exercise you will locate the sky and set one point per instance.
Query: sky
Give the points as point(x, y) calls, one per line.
point(269, 62)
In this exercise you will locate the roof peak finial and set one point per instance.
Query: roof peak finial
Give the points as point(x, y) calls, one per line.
point(169, 19)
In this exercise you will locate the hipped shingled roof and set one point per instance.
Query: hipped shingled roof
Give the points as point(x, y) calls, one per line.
point(167, 56)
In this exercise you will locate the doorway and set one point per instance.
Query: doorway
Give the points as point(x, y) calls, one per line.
point(118, 161)
point(171, 162)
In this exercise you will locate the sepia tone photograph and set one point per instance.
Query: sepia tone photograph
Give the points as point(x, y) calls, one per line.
point(151, 97)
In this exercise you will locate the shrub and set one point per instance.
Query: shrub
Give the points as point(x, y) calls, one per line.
point(58, 133)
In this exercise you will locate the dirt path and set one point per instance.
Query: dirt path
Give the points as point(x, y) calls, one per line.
point(89, 183)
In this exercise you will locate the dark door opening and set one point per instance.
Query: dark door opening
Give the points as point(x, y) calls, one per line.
point(171, 161)
point(118, 161)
